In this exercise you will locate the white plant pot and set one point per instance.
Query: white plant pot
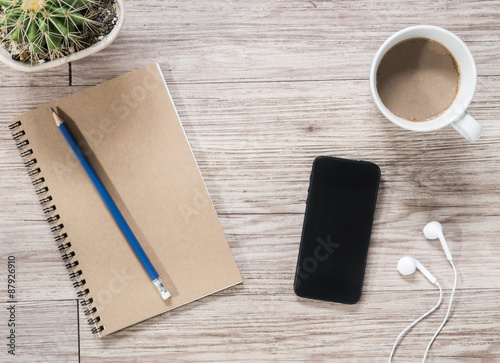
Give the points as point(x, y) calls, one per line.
point(6, 57)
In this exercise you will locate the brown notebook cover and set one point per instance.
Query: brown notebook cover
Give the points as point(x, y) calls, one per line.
point(132, 135)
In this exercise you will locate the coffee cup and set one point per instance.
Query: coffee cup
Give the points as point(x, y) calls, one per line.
point(455, 115)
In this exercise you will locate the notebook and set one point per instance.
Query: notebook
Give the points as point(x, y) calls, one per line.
point(131, 133)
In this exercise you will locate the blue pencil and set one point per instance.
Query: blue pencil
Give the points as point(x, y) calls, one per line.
point(113, 209)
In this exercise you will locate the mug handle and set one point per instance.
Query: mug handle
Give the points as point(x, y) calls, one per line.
point(468, 127)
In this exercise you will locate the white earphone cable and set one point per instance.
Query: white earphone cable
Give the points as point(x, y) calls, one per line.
point(447, 313)
point(416, 321)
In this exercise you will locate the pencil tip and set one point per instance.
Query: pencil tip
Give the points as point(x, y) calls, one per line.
point(57, 118)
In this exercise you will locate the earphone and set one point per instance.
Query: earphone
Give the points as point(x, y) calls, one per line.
point(434, 230)
point(408, 265)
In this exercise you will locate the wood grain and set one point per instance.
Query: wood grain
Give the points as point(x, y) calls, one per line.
point(254, 327)
point(46, 331)
point(240, 41)
point(262, 88)
point(52, 77)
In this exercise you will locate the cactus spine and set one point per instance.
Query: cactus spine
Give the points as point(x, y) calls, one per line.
point(46, 28)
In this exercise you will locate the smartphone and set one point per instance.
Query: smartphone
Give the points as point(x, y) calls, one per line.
point(337, 226)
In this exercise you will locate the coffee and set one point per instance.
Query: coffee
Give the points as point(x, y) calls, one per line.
point(418, 79)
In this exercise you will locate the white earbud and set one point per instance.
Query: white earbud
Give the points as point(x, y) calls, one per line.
point(408, 265)
point(434, 230)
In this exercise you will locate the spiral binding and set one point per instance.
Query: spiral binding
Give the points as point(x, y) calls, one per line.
point(86, 302)
point(45, 200)
point(90, 311)
point(68, 255)
point(41, 190)
point(65, 246)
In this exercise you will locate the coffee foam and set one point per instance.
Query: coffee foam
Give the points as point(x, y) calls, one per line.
point(418, 79)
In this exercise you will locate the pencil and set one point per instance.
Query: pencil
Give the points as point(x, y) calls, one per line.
point(113, 209)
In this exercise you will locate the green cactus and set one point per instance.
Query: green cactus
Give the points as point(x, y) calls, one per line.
point(47, 29)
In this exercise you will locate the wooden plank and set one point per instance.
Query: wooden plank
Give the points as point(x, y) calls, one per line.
point(266, 249)
point(247, 326)
point(240, 41)
point(58, 76)
point(45, 331)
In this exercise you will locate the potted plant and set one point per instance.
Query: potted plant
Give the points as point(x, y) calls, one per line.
point(41, 34)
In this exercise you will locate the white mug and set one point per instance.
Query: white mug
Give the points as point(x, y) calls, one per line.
point(456, 114)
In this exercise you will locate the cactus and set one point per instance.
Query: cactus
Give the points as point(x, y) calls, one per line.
point(47, 29)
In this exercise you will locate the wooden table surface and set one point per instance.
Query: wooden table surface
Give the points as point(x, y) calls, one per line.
point(262, 88)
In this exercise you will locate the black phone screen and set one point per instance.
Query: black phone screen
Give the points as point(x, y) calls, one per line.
point(337, 228)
